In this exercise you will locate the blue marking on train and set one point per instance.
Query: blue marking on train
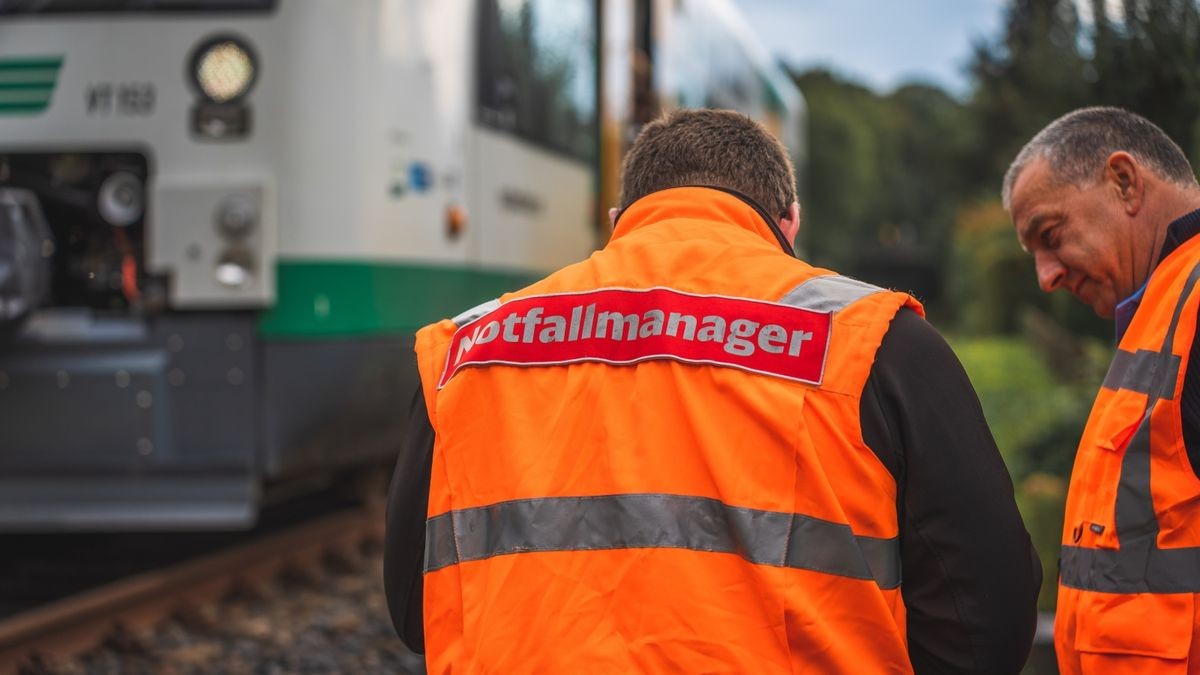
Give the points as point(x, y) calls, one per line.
point(420, 178)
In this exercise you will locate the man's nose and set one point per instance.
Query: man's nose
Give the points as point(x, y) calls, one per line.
point(1050, 272)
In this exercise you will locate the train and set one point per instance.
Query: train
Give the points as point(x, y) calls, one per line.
point(221, 221)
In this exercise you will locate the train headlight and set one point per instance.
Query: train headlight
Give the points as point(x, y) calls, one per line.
point(224, 69)
point(235, 269)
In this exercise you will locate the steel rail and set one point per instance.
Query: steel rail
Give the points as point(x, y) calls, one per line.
point(76, 624)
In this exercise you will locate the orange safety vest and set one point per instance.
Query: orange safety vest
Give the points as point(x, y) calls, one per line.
point(651, 461)
point(1131, 540)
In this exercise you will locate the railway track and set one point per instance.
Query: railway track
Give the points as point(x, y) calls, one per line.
point(83, 621)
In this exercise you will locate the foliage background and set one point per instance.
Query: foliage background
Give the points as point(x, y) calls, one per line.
point(903, 190)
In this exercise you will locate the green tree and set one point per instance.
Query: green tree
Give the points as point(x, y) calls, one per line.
point(1147, 59)
point(1032, 74)
point(884, 179)
point(844, 191)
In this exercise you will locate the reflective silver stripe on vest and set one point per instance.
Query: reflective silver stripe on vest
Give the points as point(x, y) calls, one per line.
point(1159, 570)
point(659, 521)
point(1139, 565)
point(828, 293)
point(475, 312)
point(1137, 371)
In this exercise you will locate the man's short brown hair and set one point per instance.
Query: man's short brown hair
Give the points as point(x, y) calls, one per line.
point(718, 148)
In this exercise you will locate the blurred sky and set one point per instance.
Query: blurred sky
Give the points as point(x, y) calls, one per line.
point(880, 43)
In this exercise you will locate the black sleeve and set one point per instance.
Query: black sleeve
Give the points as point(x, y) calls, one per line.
point(404, 540)
point(1190, 407)
point(970, 573)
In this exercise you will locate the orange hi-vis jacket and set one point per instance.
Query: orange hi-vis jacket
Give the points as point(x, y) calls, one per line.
point(1131, 540)
point(651, 461)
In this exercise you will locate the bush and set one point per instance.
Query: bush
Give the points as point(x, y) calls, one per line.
point(1037, 414)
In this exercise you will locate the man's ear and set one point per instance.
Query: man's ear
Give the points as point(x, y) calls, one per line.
point(789, 225)
point(1127, 178)
point(612, 218)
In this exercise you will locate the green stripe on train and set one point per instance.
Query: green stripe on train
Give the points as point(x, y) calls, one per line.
point(24, 95)
point(25, 62)
point(27, 84)
point(40, 77)
point(343, 299)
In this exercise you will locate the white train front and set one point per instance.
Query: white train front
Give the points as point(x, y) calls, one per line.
point(221, 220)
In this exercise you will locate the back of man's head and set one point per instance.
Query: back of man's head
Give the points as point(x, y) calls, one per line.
point(1078, 144)
point(717, 148)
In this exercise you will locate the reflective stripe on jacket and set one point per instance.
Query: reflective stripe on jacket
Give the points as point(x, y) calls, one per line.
point(679, 485)
point(1131, 538)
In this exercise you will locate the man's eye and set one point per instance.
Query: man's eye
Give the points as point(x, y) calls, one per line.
point(1050, 237)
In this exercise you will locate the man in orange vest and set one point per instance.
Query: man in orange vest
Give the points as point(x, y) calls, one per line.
point(693, 452)
point(1108, 206)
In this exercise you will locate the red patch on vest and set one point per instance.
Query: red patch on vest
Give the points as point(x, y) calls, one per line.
point(624, 326)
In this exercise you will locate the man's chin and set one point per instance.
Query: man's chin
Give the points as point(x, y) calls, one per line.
point(1104, 310)
point(1102, 307)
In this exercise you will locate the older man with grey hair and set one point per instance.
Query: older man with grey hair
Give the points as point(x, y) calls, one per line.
point(1109, 208)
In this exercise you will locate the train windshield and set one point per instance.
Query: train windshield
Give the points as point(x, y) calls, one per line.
point(537, 72)
point(110, 6)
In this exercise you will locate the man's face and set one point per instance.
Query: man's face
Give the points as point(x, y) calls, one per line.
point(1075, 235)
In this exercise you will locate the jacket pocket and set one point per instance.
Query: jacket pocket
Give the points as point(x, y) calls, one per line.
point(1098, 524)
point(1113, 630)
point(1121, 418)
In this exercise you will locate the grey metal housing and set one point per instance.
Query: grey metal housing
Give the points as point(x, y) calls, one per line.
point(182, 420)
